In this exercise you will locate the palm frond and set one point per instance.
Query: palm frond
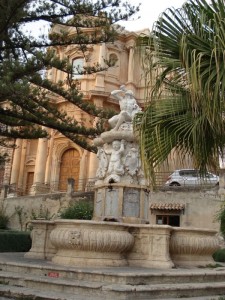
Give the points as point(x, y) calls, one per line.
point(186, 108)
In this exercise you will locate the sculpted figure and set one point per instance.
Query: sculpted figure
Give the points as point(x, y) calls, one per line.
point(128, 107)
point(115, 162)
point(132, 161)
point(103, 163)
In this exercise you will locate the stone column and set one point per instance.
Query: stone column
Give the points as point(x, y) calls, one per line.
point(15, 169)
point(131, 65)
point(16, 162)
point(21, 182)
point(40, 165)
point(83, 171)
point(99, 82)
point(49, 159)
point(93, 164)
point(70, 186)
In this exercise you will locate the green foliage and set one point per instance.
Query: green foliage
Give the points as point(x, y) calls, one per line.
point(79, 210)
point(25, 57)
point(42, 213)
point(220, 216)
point(219, 255)
point(4, 219)
point(21, 214)
point(15, 241)
point(184, 66)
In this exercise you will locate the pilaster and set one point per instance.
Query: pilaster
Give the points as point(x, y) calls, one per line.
point(40, 165)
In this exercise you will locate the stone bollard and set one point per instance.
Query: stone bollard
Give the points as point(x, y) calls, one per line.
point(70, 186)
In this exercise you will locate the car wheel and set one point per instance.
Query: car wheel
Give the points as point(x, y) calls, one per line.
point(174, 184)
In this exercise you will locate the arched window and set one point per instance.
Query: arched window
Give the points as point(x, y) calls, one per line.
point(77, 67)
point(113, 58)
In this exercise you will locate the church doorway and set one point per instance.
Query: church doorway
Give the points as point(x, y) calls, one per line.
point(29, 183)
point(69, 168)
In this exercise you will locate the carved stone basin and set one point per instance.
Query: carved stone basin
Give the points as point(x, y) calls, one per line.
point(193, 246)
point(88, 243)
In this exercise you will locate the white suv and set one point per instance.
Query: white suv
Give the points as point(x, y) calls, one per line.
point(191, 177)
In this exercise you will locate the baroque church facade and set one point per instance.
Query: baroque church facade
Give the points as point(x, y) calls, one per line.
point(44, 165)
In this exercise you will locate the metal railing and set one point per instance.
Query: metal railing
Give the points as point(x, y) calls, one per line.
point(82, 185)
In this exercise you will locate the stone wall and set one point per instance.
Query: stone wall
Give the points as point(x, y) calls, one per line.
point(200, 207)
point(48, 206)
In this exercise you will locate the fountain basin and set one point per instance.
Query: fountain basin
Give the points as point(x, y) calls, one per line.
point(193, 246)
point(88, 243)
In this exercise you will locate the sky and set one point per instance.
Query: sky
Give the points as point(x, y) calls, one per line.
point(149, 12)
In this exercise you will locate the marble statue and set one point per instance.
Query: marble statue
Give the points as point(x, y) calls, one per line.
point(118, 151)
point(115, 162)
point(103, 163)
point(132, 162)
point(128, 107)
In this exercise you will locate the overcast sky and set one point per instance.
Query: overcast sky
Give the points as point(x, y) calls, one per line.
point(149, 12)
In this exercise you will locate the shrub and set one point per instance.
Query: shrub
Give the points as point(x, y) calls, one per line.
point(219, 255)
point(221, 217)
point(4, 219)
point(15, 241)
point(42, 213)
point(79, 210)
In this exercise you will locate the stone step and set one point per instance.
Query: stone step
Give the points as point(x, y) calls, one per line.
point(79, 288)
point(49, 284)
point(45, 280)
point(126, 275)
point(13, 292)
point(28, 293)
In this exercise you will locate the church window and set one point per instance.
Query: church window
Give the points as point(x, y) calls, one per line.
point(77, 68)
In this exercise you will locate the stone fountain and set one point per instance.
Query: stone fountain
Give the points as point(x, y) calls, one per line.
point(119, 234)
point(121, 191)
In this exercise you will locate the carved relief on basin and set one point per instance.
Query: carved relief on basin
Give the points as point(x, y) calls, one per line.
point(89, 243)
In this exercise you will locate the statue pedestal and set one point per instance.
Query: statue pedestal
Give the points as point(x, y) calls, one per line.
point(121, 193)
point(121, 203)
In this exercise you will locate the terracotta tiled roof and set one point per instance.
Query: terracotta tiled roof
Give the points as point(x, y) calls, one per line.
point(167, 206)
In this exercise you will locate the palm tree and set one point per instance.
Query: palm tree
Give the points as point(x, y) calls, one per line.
point(185, 111)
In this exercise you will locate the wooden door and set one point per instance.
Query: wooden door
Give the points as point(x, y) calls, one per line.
point(69, 168)
point(29, 183)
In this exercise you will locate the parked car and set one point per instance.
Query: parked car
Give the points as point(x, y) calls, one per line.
point(191, 177)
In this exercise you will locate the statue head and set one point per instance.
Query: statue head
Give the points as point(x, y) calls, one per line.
point(129, 93)
point(116, 145)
